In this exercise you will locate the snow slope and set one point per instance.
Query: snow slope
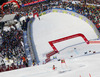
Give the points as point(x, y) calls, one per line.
point(74, 68)
point(53, 26)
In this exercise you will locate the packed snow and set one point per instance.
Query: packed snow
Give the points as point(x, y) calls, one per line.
point(76, 67)
point(53, 26)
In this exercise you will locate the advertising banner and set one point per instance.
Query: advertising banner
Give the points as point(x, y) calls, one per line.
point(31, 3)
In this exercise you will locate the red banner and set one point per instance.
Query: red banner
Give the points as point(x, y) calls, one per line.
point(32, 2)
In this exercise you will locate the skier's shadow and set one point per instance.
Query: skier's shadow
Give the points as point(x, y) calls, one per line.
point(64, 71)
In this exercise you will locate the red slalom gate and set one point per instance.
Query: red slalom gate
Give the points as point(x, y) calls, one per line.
point(60, 40)
point(89, 75)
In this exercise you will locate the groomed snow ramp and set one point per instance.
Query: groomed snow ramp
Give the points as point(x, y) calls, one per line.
point(66, 38)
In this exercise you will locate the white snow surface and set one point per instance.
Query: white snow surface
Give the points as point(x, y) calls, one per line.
point(53, 26)
point(81, 66)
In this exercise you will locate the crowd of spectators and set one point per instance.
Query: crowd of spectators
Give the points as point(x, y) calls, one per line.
point(12, 47)
point(92, 13)
point(93, 1)
point(1, 13)
point(12, 52)
point(26, 1)
point(40, 6)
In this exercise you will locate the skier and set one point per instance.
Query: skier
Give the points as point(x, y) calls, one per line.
point(53, 67)
point(63, 65)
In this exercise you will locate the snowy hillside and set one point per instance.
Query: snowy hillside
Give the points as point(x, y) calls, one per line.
point(80, 62)
point(82, 66)
point(53, 26)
